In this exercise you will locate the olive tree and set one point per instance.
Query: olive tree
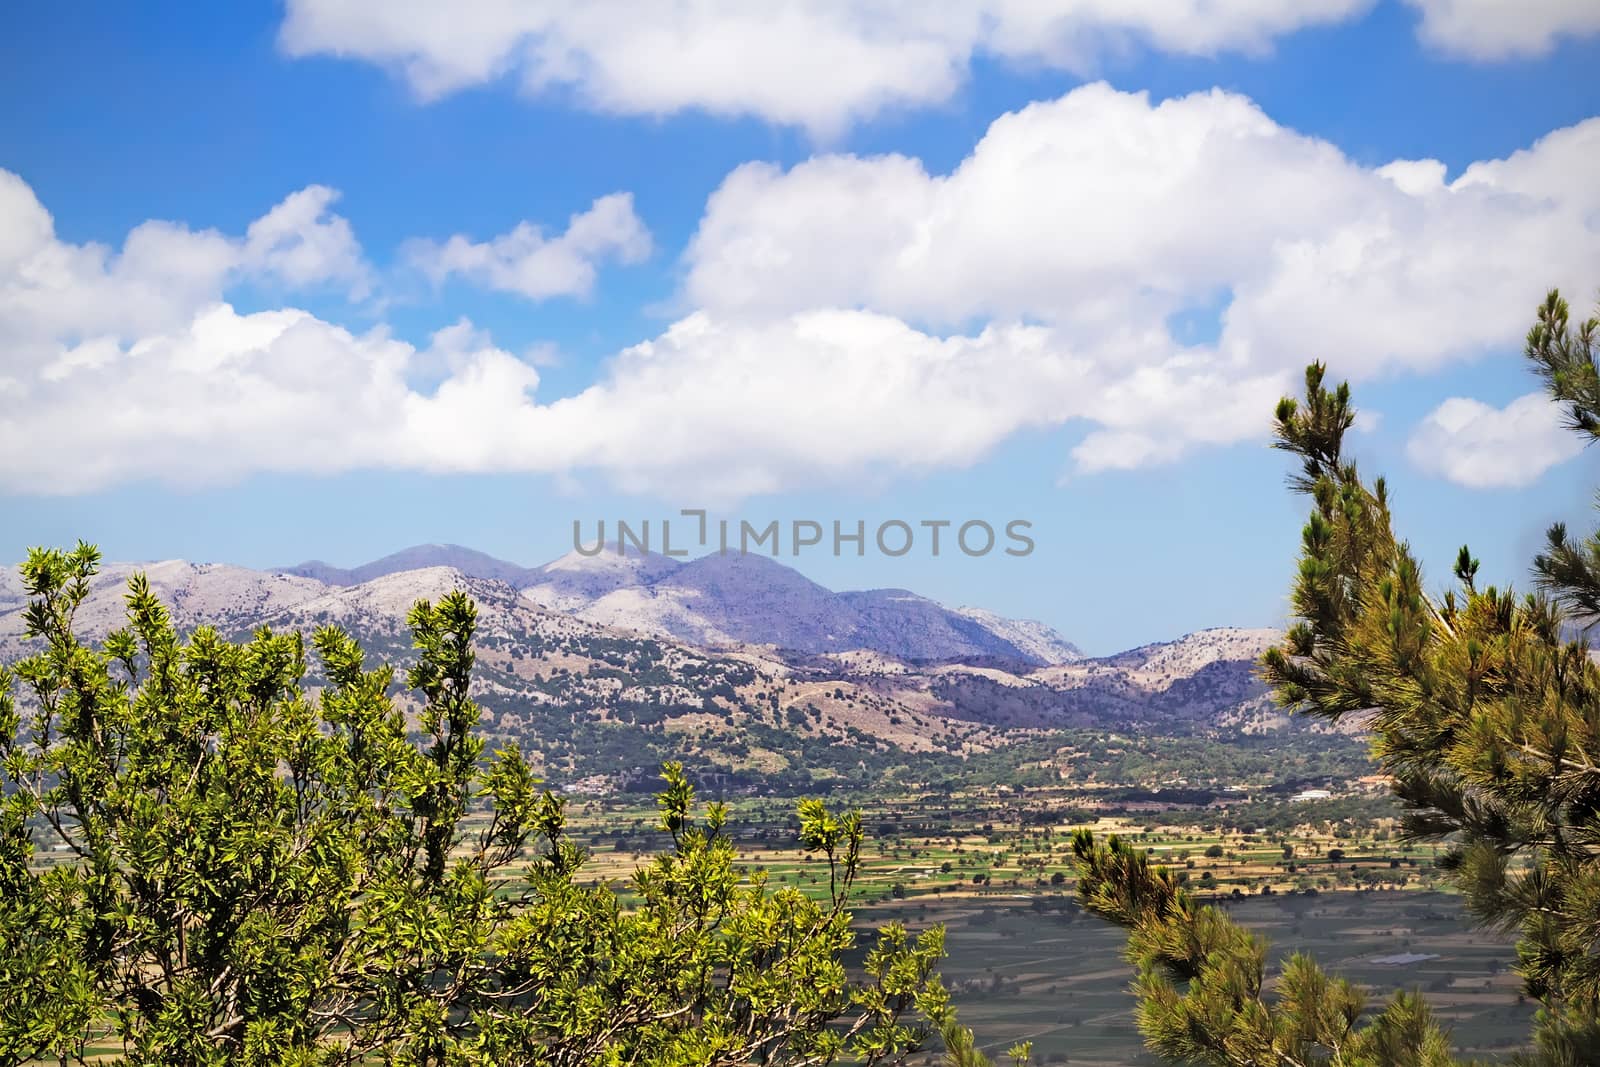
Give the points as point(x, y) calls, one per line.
point(256, 870)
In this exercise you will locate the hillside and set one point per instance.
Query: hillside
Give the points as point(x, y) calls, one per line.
point(601, 699)
point(731, 600)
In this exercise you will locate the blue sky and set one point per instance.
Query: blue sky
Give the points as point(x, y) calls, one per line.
point(991, 262)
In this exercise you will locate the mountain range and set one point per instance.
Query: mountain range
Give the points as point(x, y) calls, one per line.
point(603, 666)
point(724, 601)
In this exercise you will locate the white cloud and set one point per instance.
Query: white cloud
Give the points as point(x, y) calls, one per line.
point(1062, 210)
point(1496, 29)
point(850, 319)
point(824, 64)
point(717, 409)
point(301, 244)
point(526, 261)
point(129, 363)
point(104, 386)
point(819, 65)
point(53, 291)
point(1102, 208)
point(1483, 447)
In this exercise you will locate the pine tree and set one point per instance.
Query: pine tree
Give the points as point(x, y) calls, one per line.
point(1481, 705)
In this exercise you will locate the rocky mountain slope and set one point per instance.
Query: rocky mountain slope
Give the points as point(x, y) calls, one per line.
point(735, 599)
point(567, 669)
point(732, 600)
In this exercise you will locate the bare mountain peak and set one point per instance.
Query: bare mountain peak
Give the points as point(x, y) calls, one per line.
point(743, 569)
point(734, 598)
point(611, 558)
point(1038, 639)
point(1196, 649)
point(579, 580)
point(469, 561)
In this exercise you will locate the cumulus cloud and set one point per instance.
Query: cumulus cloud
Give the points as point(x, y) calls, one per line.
point(527, 262)
point(718, 408)
point(1062, 209)
point(1494, 29)
point(852, 319)
point(1483, 447)
point(54, 291)
point(823, 65)
point(300, 242)
point(1102, 208)
point(818, 65)
point(129, 363)
point(106, 384)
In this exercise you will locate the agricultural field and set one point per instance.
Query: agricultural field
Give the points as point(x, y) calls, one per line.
point(1041, 970)
point(984, 845)
point(1025, 963)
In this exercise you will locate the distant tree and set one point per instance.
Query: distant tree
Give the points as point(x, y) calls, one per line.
point(1484, 710)
point(262, 874)
point(1214, 852)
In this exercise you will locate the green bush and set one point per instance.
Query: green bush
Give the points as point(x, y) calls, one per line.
point(266, 874)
